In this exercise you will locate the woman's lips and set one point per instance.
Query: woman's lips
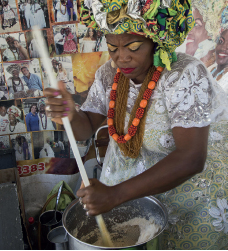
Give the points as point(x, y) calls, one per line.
point(189, 40)
point(127, 70)
point(222, 55)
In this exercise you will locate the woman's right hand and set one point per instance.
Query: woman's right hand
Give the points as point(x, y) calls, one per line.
point(56, 108)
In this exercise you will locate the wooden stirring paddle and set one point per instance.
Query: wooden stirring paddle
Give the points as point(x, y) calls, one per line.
point(48, 67)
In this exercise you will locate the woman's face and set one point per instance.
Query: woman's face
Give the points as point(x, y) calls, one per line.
point(60, 66)
point(221, 49)
point(197, 35)
point(90, 33)
point(133, 54)
point(15, 74)
point(33, 109)
point(12, 119)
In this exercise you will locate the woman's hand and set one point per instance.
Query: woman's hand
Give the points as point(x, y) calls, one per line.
point(97, 198)
point(59, 107)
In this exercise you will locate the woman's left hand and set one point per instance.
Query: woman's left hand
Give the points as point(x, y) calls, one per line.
point(97, 198)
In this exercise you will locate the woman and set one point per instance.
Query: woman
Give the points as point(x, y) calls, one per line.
point(15, 126)
point(61, 13)
point(37, 15)
point(32, 120)
point(15, 50)
point(28, 14)
point(70, 44)
point(220, 73)
point(8, 16)
point(62, 76)
point(159, 142)
point(25, 147)
point(89, 41)
point(16, 85)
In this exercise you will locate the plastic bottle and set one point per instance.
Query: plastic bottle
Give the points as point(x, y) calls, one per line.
point(33, 233)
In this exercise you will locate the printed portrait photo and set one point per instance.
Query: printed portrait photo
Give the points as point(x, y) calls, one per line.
point(22, 144)
point(64, 10)
point(91, 40)
point(65, 37)
point(8, 16)
point(23, 79)
point(4, 95)
point(13, 47)
point(11, 117)
point(35, 115)
point(4, 142)
point(62, 70)
point(32, 45)
point(50, 144)
point(33, 12)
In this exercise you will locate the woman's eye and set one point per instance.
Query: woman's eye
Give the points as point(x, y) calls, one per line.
point(134, 48)
point(220, 41)
point(111, 48)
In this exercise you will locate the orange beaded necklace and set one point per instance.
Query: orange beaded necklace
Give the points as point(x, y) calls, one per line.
point(139, 113)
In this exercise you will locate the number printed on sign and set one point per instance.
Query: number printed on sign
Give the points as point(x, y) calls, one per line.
point(26, 169)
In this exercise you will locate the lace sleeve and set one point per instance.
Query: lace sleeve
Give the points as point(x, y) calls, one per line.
point(192, 97)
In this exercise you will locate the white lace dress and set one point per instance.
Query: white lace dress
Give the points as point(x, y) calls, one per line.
point(185, 97)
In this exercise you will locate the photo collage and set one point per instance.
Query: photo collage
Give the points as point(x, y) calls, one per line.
point(24, 125)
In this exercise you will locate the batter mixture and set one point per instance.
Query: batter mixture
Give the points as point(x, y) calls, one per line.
point(133, 232)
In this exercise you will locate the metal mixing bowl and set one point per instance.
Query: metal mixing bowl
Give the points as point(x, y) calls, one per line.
point(75, 217)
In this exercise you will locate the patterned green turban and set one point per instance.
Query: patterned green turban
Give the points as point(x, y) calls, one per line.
point(166, 22)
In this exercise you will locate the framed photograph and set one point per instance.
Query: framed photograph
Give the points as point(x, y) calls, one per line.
point(11, 117)
point(32, 45)
point(22, 144)
point(62, 70)
point(51, 144)
point(65, 37)
point(33, 12)
point(13, 47)
point(64, 10)
point(35, 115)
point(91, 40)
point(23, 79)
point(8, 16)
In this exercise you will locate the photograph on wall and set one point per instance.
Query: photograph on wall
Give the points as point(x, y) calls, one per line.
point(84, 67)
point(91, 40)
point(62, 70)
point(4, 95)
point(9, 17)
point(65, 37)
point(23, 79)
point(11, 117)
point(64, 10)
point(32, 45)
point(13, 47)
point(4, 142)
point(22, 145)
point(33, 12)
point(50, 144)
point(35, 115)
point(207, 40)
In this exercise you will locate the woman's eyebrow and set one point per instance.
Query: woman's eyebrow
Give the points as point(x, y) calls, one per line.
point(125, 44)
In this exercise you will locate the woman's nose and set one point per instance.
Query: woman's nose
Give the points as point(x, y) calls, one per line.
point(124, 55)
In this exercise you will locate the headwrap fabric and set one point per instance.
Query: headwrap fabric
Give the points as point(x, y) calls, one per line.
point(13, 67)
point(14, 111)
point(166, 22)
point(41, 102)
